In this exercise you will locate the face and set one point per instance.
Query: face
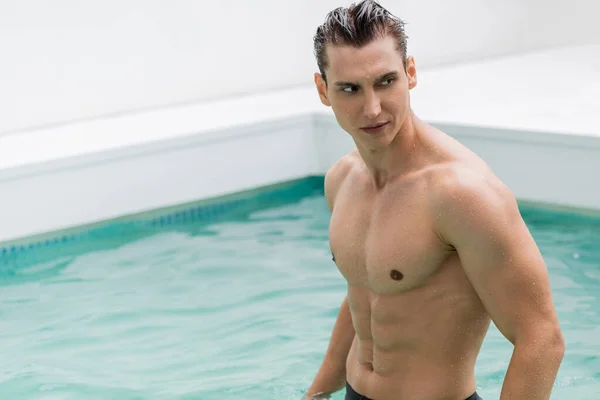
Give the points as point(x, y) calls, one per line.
point(368, 90)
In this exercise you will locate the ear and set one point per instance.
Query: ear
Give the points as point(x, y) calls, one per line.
point(322, 89)
point(411, 72)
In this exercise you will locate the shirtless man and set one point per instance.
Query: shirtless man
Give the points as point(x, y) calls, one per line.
point(430, 241)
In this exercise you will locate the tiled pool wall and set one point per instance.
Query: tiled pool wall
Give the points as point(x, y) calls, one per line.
point(15, 254)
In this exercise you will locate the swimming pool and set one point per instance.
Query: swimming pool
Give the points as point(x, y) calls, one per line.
point(233, 299)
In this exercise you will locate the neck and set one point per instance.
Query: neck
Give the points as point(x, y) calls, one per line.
point(390, 161)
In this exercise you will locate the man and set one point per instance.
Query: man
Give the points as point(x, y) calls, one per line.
point(430, 241)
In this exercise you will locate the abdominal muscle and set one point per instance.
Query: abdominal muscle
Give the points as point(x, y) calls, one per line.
point(424, 349)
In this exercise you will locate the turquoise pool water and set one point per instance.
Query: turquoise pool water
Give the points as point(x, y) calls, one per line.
point(236, 302)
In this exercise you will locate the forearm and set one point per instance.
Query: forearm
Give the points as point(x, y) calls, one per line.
point(533, 369)
point(332, 374)
point(329, 380)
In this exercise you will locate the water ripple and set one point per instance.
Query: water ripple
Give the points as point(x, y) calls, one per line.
point(236, 310)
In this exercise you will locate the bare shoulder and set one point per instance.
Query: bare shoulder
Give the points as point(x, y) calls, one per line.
point(457, 179)
point(336, 175)
point(464, 192)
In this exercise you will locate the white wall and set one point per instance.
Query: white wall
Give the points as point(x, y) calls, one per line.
point(68, 59)
point(443, 32)
point(563, 22)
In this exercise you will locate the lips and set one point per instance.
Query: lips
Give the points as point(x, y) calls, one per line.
point(375, 128)
point(379, 125)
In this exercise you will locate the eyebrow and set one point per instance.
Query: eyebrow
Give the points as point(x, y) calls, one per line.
point(387, 75)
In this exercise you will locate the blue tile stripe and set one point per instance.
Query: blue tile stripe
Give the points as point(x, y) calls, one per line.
point(202, 212)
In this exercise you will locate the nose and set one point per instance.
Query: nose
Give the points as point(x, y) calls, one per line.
point(372, 106)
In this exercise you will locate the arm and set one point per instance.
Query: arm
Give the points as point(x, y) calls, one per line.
point(480, 218)
point(331, 377)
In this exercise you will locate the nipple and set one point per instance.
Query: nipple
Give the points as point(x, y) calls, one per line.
point(396, 275)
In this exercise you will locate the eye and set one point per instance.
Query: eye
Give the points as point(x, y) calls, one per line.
point(390, 81)
point(350, 89)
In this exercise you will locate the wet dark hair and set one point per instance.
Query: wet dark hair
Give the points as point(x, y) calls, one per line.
point(357, 26)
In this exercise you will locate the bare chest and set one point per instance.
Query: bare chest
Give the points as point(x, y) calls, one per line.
point(386, 245)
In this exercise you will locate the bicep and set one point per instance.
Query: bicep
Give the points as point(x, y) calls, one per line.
point(502, 261)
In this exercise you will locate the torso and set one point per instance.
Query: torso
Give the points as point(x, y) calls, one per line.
point(419, 324)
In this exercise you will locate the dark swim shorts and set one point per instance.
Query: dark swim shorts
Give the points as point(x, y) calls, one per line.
point(352, 395)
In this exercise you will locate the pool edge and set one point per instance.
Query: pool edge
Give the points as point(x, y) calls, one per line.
point(216, 206)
